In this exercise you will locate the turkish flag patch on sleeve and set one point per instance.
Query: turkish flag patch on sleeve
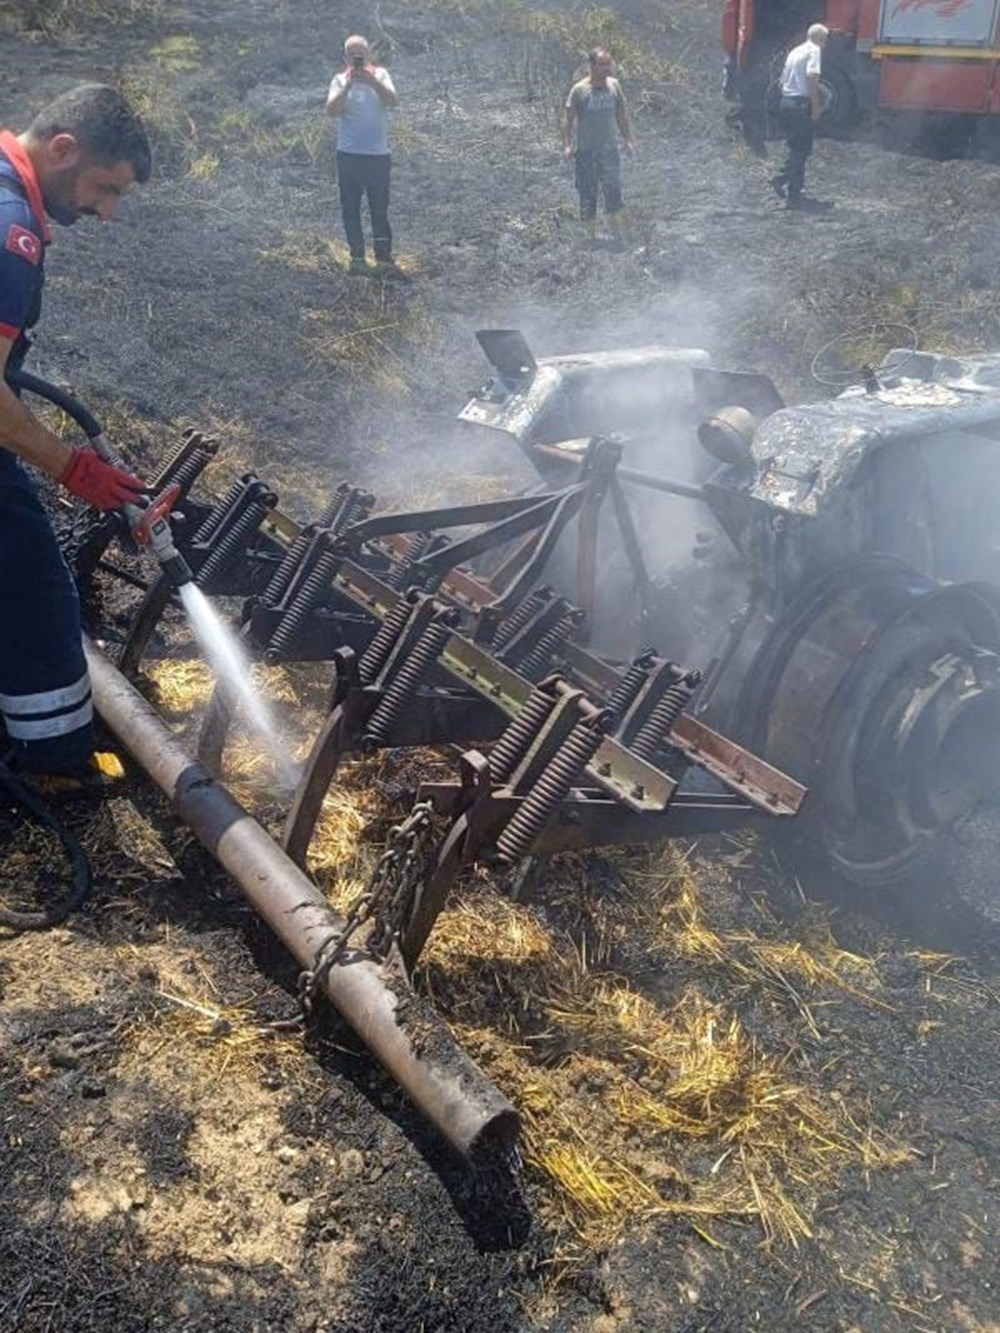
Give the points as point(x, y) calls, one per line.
point(21, 241)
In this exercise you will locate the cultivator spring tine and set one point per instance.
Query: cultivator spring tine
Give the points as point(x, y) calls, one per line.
point(533, 648)
point(308, 589)
point(625, 693)
point(412, 671)
point(513, 624)
point(545, 796)
point(513, 744)
point(185, 464)
point(375, 656)
point(280, 581)
point(231, 534)
point(400, 574)
point(222, 510)
point(350, 504)
point(657, 705)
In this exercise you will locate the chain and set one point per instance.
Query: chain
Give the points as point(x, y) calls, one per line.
point(385, 901)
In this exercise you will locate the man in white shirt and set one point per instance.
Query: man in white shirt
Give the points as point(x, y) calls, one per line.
point(360, 98)
point(800, 108)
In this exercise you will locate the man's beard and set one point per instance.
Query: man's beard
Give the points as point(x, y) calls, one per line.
point(63, 213)
point(61, 205)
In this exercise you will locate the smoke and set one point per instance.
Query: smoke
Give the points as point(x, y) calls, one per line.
point(696, 580)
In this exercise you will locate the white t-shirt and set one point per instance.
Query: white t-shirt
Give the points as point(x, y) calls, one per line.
point(802, 61)
point(363, 125)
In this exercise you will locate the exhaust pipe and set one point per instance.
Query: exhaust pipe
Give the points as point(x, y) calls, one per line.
point(399, 1028)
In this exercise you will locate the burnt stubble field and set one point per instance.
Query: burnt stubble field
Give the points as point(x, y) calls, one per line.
point(747, 1107)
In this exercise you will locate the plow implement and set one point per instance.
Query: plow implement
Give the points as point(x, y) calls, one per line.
point(554, 748)
point(845, 603)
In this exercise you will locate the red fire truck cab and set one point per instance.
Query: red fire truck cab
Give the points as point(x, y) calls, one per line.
point(937, 56)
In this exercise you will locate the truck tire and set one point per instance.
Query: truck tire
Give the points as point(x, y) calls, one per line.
point(840, 99)
point(985, 144)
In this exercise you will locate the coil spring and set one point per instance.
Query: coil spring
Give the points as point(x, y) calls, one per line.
point(305, 599)
point(550, 790)
point(625, 693)
point(187, 472)
point(657, 727)
point(375, 656)
point(512, 745)
point(419, 661)
point(281, 579)
point(219, 511)
point(399, 575)
point(164, 476)
point(235, 539)
point(514, 623)
point(357, 508)
point(328, 518)
point(538, 661)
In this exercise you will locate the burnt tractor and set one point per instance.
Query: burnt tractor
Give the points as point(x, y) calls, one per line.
point(837, 573)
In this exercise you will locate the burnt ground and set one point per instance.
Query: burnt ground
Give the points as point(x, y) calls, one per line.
point(164, 1164)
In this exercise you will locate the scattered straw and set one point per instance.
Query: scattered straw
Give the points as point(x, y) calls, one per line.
point(639, 1103)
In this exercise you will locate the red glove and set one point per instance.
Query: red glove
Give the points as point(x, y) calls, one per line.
point(101, 484)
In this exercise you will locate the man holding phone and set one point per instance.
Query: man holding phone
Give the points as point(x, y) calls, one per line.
point(360, 98)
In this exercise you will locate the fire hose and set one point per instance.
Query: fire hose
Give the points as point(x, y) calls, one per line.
point(149, 524)
point(80, 874)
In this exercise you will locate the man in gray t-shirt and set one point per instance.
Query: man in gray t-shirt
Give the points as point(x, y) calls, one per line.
point(597, 113)
point(360, 98)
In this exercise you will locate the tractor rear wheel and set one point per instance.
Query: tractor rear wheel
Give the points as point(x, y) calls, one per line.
point(880, 689)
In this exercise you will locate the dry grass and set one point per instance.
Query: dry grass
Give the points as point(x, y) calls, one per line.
point(204, 167)
point(247, 133)
point(172, 131)
point(307, 252)
point(643, 1093)
point(179, 53)
point(640, 1101)
point(640, 1104)
point(368, 340)
point(225, 1039)
point(575, 32)
point(183, 685)
point(64, 18)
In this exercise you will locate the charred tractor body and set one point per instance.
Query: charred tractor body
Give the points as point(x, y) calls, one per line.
point(845, 598)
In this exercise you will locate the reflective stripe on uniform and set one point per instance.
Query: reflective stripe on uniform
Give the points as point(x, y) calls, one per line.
point(44, 728)
point(47, 701)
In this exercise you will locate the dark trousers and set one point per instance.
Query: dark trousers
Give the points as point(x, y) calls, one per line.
point(358, 175)
point(797, 124)
point(44, 685)
point(598, 169)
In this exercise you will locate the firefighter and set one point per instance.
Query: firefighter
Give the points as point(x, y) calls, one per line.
point(800, 107)
point(77, 158)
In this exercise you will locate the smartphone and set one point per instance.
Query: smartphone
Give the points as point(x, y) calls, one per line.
point(358, 62)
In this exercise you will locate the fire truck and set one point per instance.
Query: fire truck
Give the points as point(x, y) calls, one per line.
point(931, 56)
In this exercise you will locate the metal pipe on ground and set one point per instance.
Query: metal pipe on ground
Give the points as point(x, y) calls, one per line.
point(399, 1028)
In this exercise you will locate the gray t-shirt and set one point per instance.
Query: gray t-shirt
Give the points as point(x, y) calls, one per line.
point(596, 111)
point(363, 125)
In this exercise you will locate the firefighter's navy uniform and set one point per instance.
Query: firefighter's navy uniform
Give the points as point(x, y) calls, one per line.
point(44, 686)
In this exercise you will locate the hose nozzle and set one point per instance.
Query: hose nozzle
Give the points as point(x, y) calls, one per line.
point(151, 528)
